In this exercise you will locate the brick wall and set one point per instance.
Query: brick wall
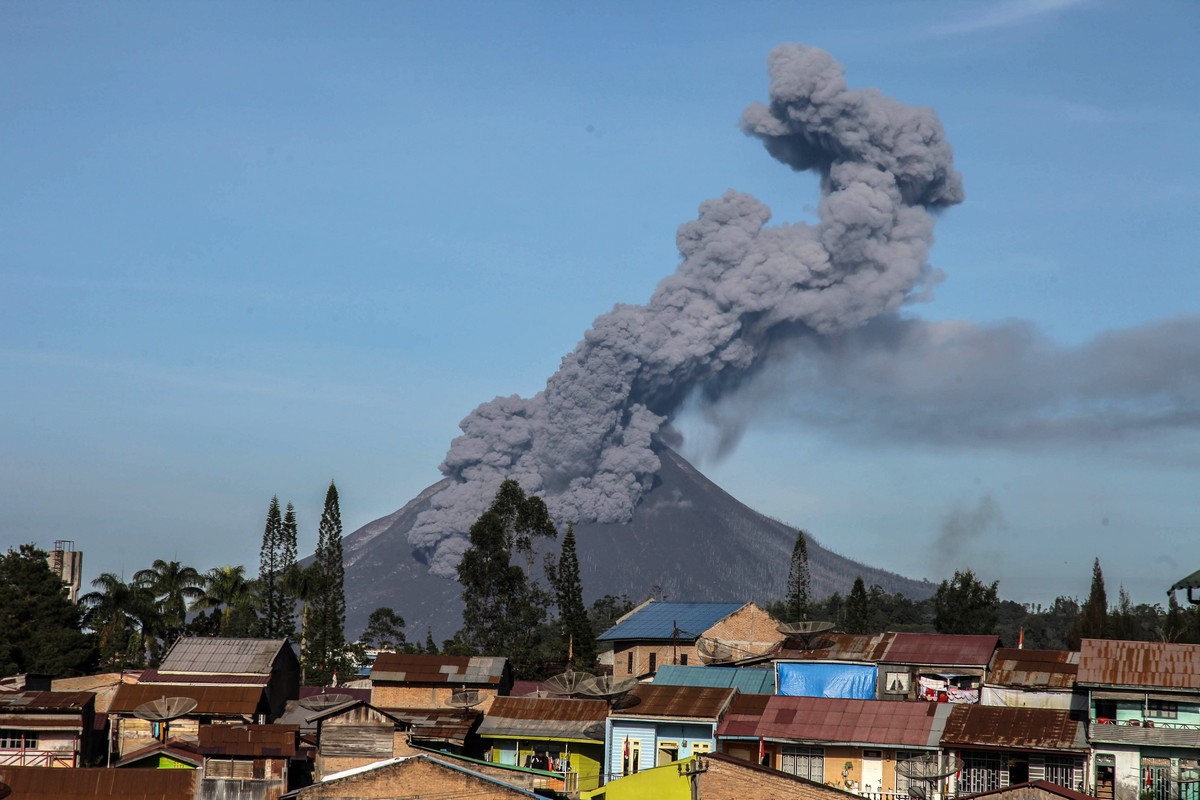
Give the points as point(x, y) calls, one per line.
point(750, 630)
point(414, 778)
point(384, 695)
point(730, 779)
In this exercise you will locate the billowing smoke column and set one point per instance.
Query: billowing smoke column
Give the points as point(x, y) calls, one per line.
point(585, 443)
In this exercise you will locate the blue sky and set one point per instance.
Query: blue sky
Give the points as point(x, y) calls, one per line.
point(248, 248)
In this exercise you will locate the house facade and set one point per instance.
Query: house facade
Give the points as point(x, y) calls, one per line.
point(560, 735)
point(46, 729)
point(657, 725)
point(418, 681)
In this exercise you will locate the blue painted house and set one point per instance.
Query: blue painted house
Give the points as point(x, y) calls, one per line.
point(655, 725)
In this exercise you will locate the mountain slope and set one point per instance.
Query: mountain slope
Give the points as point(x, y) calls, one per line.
point(687, 536)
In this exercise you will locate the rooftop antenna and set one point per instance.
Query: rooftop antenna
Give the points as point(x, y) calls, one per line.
point(163, 710)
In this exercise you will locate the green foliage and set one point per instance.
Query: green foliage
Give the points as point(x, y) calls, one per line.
point(270, 574)
point(173, 586)
point(858, 609)
point(965, 605)
point(799, 583)
point(227, 590)
point(606, 610)
point(577, 634)
point(324, 646)
point(430, 645)
point(502, 609)
point(124, 617)
point(284, 624)
point(1093, 617)
point(40, 628)
point(385, 630)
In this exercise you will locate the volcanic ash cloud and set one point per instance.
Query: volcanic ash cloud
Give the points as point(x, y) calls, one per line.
point(586, 442)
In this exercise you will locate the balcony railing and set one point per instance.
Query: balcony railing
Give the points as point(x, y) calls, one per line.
point(1150, 731)
point(37, 758)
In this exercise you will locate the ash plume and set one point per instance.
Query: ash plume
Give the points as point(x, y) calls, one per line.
point(586, 442)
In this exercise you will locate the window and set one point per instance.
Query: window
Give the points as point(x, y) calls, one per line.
point(653, 663)
point(805, 762)
point(629, 667)
point(896, 682)
point(1156, 779)
point(1061, 772)
point(1106, 709)
point(1162, 709)
point(683, 659)
point(18, 740)
point(631, 762)
point(701, 747)
point(981, 772)
point(902, 780)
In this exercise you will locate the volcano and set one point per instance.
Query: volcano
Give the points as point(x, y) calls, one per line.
point(688, 539)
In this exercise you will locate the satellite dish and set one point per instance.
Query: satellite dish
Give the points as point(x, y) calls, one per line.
point(928, 767)
point(714, 651)
point(567, 683)
point(464, 698)
point(5, 790)
point(918, 790)
point(164, 709)
point(607, 686)
point(324, 702)
point(797, 630)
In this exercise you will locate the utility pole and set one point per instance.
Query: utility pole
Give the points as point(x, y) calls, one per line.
point(697, 768)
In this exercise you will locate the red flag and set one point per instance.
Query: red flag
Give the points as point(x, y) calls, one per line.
point(627, 747)
point(762, 749)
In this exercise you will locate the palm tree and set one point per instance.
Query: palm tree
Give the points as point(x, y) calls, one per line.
point(173, 585)
point(227, 589)
point(124, 616)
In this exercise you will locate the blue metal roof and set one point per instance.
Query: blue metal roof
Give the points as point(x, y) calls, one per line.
point(661, 620)
point(746, 681)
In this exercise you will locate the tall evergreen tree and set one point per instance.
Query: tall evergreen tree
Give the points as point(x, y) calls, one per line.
point(858, 610)
point(799, 584)
point(578, 635)
point(40, 628)
point(325, 639)
point(285, 624)
point(270, 577)
point(502, 609)
point(1093, 617)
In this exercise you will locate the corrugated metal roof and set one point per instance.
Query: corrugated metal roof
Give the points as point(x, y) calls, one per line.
point(40, 783)
point(653, 700)
point(747, 681)
point(838, 647)
point(1022, 790)
point(222, 656)
point(255, 741)
point(658, 620)
point(204, 679)
point(176, 748)
point(37, 702)
point(430, 724)
point(1160, 665)
point(219, 700)
point(1033, 669)
point(1013, 728)
point(457, 670)
point(838, 720)
point(1190, 582)
point(941, 649)
point(545, 718)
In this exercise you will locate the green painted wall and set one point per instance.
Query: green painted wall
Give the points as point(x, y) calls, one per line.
point(585, 758)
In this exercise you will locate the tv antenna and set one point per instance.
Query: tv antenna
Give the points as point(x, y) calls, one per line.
point(163, 710)
point(925, 770)
point(325, 701)
point(567, 683)
point(464, 698)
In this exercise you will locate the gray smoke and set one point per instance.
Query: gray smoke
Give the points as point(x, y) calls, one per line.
point(586, 442)
point(964, 525)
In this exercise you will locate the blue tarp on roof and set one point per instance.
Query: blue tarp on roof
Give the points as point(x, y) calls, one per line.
point(827, 679)
point(660, 620)
point(746, 681)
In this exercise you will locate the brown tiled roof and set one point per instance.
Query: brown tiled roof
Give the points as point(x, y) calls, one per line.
point(1013, 728)
point(545, 717)
point(40, 783)
point(210, 700)
point(1150, 665)
point(44, 702)
point(260, 741)
point(1033, 669)
point(657, 700)
point(941, 649)
point(838, 720)
point(420, 668)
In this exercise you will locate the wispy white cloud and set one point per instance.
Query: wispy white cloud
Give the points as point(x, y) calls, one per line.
point(1008, 14)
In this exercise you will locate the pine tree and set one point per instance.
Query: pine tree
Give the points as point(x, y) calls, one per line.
point(269, 574)
point(1093, 617)
point(572, 614)
point(40, 628)
point(858, 612)
point(325, 639)
point(799, 585)
point(284, 625)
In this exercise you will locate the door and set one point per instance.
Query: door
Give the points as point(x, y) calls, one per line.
point(1105, 777)
point(872, 771)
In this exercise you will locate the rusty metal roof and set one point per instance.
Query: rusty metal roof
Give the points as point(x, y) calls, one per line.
point(420, 668)
point(838, 720)
point(657, 700)
point(40, 783)
point(1033, 669)
point(215, 700)
point(941, 649)
point(1159, 665)
point(545, 717)
point(203, 679)
point(437, 725)
point(44, 702)
point(1013, 728)
point(838, 647)
point(257, 741)
point(1021, 789)
point(176, 748)
point(222, 656)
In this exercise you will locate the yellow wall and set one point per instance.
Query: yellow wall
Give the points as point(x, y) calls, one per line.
point(660, 783)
